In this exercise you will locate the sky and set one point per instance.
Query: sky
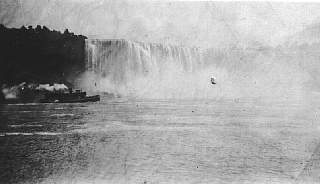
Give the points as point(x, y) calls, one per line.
point(203, 24)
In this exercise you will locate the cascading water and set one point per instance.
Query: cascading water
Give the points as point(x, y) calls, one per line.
point(142, 69)
point(119, 60)
point(146, 70)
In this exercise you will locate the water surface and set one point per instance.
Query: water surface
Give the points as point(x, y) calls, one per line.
point(160, 141)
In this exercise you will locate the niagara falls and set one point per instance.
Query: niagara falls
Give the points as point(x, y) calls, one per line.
point(159, 92)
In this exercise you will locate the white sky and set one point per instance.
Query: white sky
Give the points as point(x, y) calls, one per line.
point(208, 24)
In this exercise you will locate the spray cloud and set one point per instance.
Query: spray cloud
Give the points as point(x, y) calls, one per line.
point(143, 70)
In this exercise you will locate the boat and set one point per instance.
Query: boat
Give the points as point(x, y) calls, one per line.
point(36, 95)
point(72, 97)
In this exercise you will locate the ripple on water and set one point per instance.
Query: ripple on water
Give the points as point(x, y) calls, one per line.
point(61, 115)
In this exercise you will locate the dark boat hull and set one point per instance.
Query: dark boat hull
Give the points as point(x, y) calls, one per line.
point(77, 100)
point(61, 100)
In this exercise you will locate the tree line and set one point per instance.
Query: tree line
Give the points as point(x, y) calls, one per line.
point(39, 55)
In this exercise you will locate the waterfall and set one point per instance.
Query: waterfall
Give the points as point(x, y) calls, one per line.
point(123, 60)
point(122, 66)
point(153, 70)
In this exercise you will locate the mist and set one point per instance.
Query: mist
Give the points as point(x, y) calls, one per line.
point(145, 70)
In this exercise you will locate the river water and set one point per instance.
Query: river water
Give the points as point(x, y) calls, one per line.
point(161, 141)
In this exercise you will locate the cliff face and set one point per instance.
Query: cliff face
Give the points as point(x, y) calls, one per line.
point(39, 55)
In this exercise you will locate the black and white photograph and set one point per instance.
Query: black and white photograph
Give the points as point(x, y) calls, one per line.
point(159, 92)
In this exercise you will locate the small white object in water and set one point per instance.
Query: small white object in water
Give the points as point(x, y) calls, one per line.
point(213, 80)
